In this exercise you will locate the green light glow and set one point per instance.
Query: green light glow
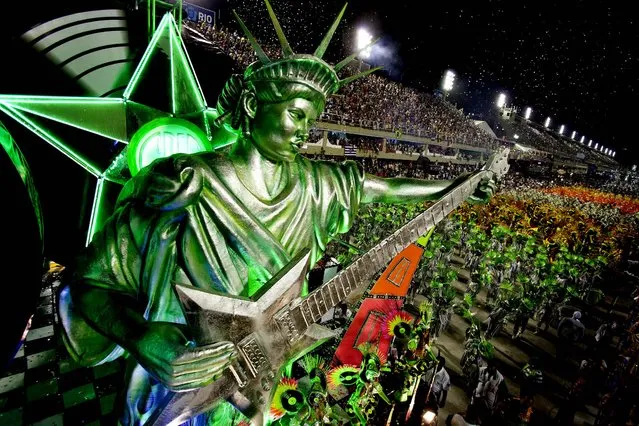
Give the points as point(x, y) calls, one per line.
point(20, 163)
point(162, 138)
point(95, 209)
point(122, 118)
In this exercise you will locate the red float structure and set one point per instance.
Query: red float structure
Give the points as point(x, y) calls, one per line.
point(386, 296)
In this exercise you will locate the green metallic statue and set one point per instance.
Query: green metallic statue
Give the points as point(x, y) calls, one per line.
point(223, 221)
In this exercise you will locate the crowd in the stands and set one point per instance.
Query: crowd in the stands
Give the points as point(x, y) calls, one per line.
point(375, 102)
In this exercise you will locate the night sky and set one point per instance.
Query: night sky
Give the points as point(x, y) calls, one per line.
point(575, 61)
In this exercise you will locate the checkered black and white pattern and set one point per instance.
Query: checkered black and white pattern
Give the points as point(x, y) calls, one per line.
point(43, 386)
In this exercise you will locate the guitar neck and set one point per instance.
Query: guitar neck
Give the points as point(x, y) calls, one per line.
point(361, 271)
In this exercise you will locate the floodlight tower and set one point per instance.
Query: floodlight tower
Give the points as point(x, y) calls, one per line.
point(501, 100)
point(590, 143)
point(364, 38)
point(561, 129)
point(447, 84)
point(547, 123)
point(528, 113)
point(582, 139)
point(574, 133)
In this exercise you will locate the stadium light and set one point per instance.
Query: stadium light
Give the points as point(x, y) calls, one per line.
point(606, 151)
point(364, 38)
point(601, 148)
point(590, 143)
point(582, 139)
point(449, 79)
point(501, 100)
point(528, 113)
point(574, 133)
point(561, 129)
point(596, 145)
point(547, 123)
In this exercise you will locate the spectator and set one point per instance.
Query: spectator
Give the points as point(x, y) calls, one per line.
point(441, 382)
point(487, 392)
point(459, 420)
point(521, 321)
point(569, 331)
point(604, 334)
point(531, 378)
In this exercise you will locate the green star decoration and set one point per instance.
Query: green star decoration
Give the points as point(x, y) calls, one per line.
point(186, 122)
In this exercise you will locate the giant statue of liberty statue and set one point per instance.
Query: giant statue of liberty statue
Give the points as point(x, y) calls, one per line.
point(224, 221)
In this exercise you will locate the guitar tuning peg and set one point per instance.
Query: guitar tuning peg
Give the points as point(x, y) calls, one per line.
point(260, 399)
point(266, 384)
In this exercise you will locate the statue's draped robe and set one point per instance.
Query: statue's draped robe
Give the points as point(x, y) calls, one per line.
point(189, 219)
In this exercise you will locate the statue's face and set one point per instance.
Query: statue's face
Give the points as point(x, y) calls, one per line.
point(280, 129)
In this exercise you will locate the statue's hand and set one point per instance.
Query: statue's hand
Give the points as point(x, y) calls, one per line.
point(164, 352)
point(483, 192)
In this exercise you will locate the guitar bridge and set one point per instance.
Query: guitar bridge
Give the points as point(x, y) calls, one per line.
point(286, 325)
point(254, 354)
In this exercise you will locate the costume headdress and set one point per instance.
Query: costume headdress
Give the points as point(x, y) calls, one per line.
point(370, 350)
point(287, 399)
point(398, 324)
point(306, 69)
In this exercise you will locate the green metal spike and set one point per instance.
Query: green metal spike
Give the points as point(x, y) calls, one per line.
point(348, 59)
point(113, 118)
point(286, 48)
point(186, 93)
point(102, 116)
point(256, 46)
point(49, 137)
point(321, 49)
point(95, 220)
point(20, 163)
point(154, 45)
point(356, 76)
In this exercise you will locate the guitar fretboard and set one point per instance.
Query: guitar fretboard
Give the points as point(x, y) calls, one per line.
point(309, 310)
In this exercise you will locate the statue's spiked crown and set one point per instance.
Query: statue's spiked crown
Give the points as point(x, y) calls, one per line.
point(306, 69)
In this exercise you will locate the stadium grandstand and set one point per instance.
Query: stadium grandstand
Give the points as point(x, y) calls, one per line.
point(385, 119)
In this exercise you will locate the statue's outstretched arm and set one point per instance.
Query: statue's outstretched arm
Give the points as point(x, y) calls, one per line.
point(407, 190)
